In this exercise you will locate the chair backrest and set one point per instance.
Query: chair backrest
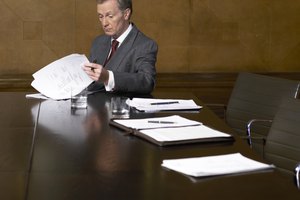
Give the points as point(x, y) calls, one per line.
point(297, 174)
point(282, 146)
point(257, 96)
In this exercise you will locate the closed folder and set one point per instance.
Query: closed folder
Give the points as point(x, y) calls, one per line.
point(180, 131)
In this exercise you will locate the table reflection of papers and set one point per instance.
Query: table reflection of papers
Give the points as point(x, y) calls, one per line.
point(68, 139)
point(61, 120)
point(62, 77)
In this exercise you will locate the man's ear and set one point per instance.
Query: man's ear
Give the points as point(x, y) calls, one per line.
point(127, 13)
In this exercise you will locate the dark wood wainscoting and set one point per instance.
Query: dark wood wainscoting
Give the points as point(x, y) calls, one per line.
point(13, 83)
point(209, 87)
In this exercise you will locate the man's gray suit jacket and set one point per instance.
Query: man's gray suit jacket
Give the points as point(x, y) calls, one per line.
point(133, 64)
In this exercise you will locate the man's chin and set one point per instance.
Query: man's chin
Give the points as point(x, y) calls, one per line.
point(109, 33)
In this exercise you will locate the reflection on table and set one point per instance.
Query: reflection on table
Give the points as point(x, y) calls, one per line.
point(76, 154)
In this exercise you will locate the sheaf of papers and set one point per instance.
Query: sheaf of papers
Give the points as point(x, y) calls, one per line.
point(215, 165)
point(183, 133)
point(152, 105)
point(176, 121)
point(62, 77)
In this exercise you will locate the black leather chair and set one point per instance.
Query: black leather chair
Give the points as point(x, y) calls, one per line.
point(297, 174)
point(256, 96)
point(282, 145)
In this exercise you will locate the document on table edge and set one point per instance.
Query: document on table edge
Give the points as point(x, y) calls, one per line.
point(215, 165)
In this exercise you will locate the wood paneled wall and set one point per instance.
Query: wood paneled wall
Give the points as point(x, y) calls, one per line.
point(194, 36)
point(203, 44)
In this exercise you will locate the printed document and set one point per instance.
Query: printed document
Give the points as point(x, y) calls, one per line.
point(183, 133)
point(171, 130)
point(153, 105)
point(215, 165)
point(63, 77)
point(157, 122)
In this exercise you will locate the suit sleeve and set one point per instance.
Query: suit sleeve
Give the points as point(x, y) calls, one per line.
point(138, 69)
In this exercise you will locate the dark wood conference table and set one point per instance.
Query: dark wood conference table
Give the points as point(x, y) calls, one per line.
point(48, 151)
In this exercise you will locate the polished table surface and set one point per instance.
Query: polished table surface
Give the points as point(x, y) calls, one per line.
point(48, 151)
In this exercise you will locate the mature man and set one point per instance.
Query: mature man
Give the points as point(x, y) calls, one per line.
point(123, 59)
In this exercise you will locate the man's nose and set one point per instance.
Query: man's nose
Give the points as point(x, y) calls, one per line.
point(104, 22)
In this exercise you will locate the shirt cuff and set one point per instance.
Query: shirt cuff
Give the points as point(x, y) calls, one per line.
point(111, 81)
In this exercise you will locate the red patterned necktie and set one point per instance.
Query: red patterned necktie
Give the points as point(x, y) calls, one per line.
point(114, 46)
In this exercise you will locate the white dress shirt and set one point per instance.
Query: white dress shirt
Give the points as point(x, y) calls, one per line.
point(111, 80)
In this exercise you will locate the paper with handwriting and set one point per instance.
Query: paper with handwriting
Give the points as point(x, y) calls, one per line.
point(63, 77)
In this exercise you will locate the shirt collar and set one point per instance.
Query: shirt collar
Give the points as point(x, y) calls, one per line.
point(124, 35)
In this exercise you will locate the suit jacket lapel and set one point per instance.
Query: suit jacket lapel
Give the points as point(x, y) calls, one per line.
point(125, 47)
point(101, 51)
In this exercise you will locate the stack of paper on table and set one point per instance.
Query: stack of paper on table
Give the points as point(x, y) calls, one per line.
point(152, 105)
point(171, 130)
point(62, 77)
point(215, 165)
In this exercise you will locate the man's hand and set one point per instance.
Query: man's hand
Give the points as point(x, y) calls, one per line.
point(96, 72)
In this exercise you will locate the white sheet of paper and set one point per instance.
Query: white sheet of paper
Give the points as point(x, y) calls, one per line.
point(62, 77)
point(183, 133)
point(36, 96)
point(215, 165)
point(144, 123)
point(145, 104)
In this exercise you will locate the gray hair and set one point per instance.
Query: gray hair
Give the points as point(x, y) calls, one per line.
point(123, 4)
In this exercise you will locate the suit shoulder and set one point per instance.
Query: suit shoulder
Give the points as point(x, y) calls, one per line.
point(143, 39)
point(101, 39)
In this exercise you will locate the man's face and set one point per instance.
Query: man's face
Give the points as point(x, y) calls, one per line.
point(114, 21)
